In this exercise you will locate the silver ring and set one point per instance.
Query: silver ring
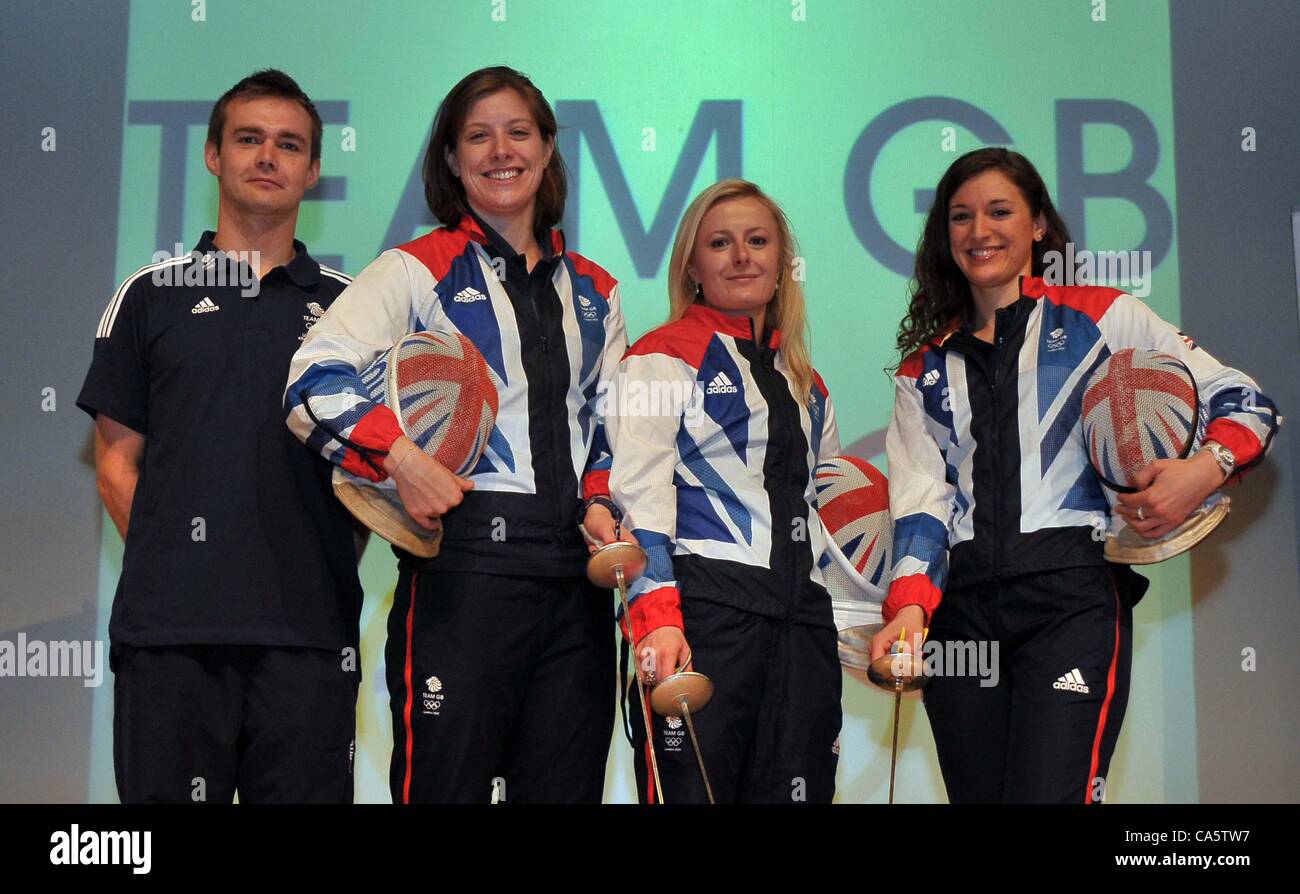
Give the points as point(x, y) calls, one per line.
point(1141, 515)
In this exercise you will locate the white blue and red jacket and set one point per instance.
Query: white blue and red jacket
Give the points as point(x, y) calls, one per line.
point(989, 476)
point(552, 337)
point(713, 460)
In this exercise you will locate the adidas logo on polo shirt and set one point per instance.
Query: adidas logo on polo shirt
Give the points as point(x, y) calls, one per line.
point(469, 296)
point(721, 385)
point(930, 378)
point(204, 307)
point(1073, 682)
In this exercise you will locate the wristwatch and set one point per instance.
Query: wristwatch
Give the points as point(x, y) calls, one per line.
point(1223, 456)
point(602, 500)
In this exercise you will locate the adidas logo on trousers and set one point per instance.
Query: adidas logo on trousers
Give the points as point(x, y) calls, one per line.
point(1072, 682)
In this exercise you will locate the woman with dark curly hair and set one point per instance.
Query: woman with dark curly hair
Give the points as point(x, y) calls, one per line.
point(995, 503)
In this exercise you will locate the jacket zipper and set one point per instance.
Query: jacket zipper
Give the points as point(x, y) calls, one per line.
point(997, 469)
point(548, 392)
point(556, 427)
point(780, 421)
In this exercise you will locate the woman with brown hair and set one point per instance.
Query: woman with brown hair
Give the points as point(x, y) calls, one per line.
point(995, 503)
point(500, 661)
point(715, 478)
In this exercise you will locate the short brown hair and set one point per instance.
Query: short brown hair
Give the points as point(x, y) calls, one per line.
point(267, 82)
point(444, 192)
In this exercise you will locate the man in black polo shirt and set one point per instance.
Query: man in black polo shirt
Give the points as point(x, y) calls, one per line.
point(235, 625)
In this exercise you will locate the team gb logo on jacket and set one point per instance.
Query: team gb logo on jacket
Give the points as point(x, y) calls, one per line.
point(314, 313)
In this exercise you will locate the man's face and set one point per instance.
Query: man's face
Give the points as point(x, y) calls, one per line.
point(264, 164)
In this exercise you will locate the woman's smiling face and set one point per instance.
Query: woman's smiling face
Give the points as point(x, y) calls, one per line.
point(500, 158)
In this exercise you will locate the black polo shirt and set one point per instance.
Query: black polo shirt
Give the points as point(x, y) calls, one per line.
point(235, 536)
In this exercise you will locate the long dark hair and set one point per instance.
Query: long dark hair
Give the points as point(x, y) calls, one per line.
point(940, 297)
point(444, 192)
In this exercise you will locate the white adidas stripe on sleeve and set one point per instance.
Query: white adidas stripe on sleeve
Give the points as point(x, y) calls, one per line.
point(336, 274)
point(105, 328)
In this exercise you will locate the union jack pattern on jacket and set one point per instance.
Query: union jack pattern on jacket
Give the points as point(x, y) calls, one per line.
point(689, 465)
point(445, 279)
point(1069, 331)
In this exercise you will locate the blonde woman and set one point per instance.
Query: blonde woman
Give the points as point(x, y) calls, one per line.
point(719, 424)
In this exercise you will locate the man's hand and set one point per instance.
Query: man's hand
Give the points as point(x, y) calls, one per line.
point(1169, 490)
point(428, 488)
point(118, 452)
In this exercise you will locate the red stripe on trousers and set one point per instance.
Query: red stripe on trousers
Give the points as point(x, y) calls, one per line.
point(410, 695)
point(1105, 709)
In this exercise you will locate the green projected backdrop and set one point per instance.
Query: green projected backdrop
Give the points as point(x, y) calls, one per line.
point(846, 111)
